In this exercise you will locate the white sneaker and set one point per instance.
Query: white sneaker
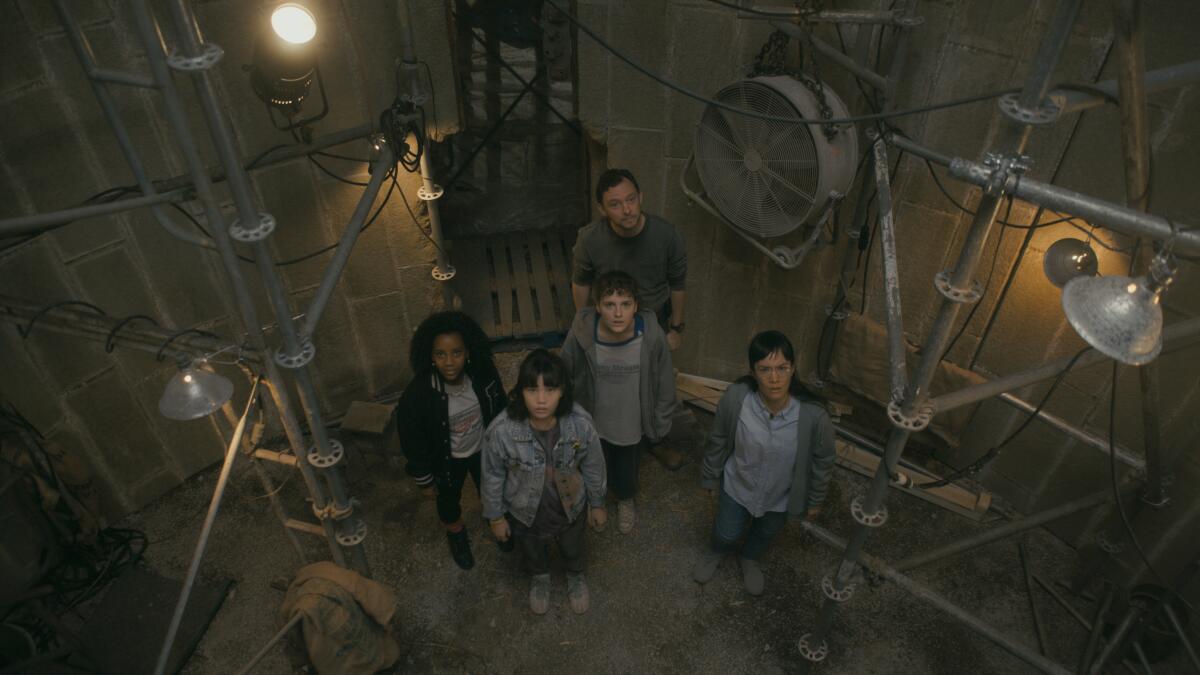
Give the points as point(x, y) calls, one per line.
point(626, 515)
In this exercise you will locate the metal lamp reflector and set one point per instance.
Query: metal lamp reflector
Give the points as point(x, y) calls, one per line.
point(193, 393)
point(1120, 316)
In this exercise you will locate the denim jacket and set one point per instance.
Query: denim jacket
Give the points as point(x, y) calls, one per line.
point(514, 470)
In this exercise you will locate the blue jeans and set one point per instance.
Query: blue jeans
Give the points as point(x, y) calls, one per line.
point(731, 521)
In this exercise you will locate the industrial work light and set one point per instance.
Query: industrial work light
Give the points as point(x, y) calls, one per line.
point(194, 392)
point(1121, 316)
point(1067, 259)
point(285, 65)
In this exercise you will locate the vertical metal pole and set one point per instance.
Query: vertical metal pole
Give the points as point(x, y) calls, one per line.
point(1038, 630)
point(891, 274)
point(297, 349)
point(1135, 141)
point(1085, 659)
point(1183, 636)
point(869, 511)
point(178, 120)
point(205, 531)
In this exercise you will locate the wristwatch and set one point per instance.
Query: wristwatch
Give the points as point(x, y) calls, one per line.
point(678, 327)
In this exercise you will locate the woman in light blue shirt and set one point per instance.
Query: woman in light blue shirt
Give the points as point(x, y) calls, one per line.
point(770, 455)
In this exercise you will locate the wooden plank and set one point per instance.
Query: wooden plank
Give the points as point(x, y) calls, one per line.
point(474, 282)
point(521, 284)
point(503, 285)
point(952, 497)
point(548, 319)
point(560, 276)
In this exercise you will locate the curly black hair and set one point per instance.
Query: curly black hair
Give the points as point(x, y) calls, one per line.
point(479, 348)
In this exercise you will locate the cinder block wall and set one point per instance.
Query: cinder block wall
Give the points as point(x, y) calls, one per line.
point(56, 150)
point(962, 48)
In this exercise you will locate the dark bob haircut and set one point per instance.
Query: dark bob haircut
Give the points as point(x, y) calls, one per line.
point(552, 370)
point(767, 343)
point(610, 179)
point(614, 281)
point(479, 349)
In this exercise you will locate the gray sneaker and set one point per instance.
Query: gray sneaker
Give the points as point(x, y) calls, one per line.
point(626, 515)
point(577, 593)
point(706, 566)
point(752, 576)
point(539, 593)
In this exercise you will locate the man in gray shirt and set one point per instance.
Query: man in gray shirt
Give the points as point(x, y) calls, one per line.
point(642, 245)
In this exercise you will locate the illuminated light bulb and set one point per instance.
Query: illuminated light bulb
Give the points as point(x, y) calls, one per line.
point(294, 23)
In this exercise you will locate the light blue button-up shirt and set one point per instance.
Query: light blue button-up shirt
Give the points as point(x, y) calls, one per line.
point(758, 473)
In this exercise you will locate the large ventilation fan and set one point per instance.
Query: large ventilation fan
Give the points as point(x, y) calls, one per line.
point(770, 177)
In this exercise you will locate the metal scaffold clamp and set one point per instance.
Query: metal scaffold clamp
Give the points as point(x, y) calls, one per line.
point(335, 454)
point(331, 510)
point(831, 591)
point(1047, 112)
point(443, 273)
point(208, 57)
point(435, 192)
point(299, 359)
point(817, 654)
point(972, 293)
point(264, 228)
point(876, 519)
point(917, 421)
point(352, 533)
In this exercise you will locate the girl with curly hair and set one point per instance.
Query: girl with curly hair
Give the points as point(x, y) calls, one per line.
point(442, 414)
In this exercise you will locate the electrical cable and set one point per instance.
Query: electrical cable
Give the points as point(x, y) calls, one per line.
point(412, 214)
point(109, 345)
point(24, 332)
point(994, 451)
point(773, 118)
point(160, 355)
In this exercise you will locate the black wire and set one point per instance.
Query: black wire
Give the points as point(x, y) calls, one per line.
point(994, 452)
point(749, 10)
point(432, 89)
point(159, 356)
point(370, 221)
point(773, 118)
point(112, 334)
point(331, 174)
point(24, 332)
point(412, 214)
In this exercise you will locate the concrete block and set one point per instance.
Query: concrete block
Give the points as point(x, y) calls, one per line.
point(384, 336)
point(23, 65)
point(23, 384)
point(337, 366)
point(693, 32)
point(123, 436)
point(919, 260)
point(732, 303)
point(966, 131)
point(594, 67)
point(422, 294)
point(639, 30)
point(113, 282)
point(1003, 28)
point(41, 16)
point(187, 281)
point(34, 275)
point(369, 270)
point(433, 45)
point(300, 225)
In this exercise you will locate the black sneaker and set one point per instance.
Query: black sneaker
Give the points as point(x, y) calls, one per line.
point(460, 549)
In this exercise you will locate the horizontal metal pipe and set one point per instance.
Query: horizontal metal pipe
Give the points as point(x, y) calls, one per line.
point(121, 77)
point(1095, 210)
point(1176, 334)
point(288, 152)
point(333, 271)
point(1010, 528)
point(1162, 79)
point(1089, 439)
point(930, 596)
point(41, 222)
point(886, 17)
point(834, 54)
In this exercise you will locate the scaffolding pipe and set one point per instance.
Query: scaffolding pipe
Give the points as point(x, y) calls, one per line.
point(296, 618)
point(891, 274)
point(834, 54)
point(205, 530)
point(1161, 79)
point(430, 191)
point(923, 592)
point(1013, 527)
point(295, 346)
point(1183, 636)
point(37, 223)
point(1087, 438)
point(1085, 659)
point(380, 171)
point(885, 17)
point(1176, 335)
point(83, 52)
point(957, 281)
point(179, 124)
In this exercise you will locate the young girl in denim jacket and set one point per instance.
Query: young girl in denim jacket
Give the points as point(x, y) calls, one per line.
point(542, 467)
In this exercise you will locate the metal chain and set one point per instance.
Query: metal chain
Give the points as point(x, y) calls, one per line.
point(772, 60)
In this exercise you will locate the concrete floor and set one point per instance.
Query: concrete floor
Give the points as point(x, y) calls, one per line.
point(647, 614)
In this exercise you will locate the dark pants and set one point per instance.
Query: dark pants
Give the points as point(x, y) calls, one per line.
point(622, 462)
point(535, 552)
point(450, 493)
point(731, 521)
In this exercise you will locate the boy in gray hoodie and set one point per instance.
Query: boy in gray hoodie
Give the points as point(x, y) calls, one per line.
point(620, 362)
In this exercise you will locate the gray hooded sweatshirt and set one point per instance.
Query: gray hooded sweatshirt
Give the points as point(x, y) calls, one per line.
point(656, 375)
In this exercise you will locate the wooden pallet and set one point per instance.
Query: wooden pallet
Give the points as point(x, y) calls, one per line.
point(704, 393)
point(516, 285)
